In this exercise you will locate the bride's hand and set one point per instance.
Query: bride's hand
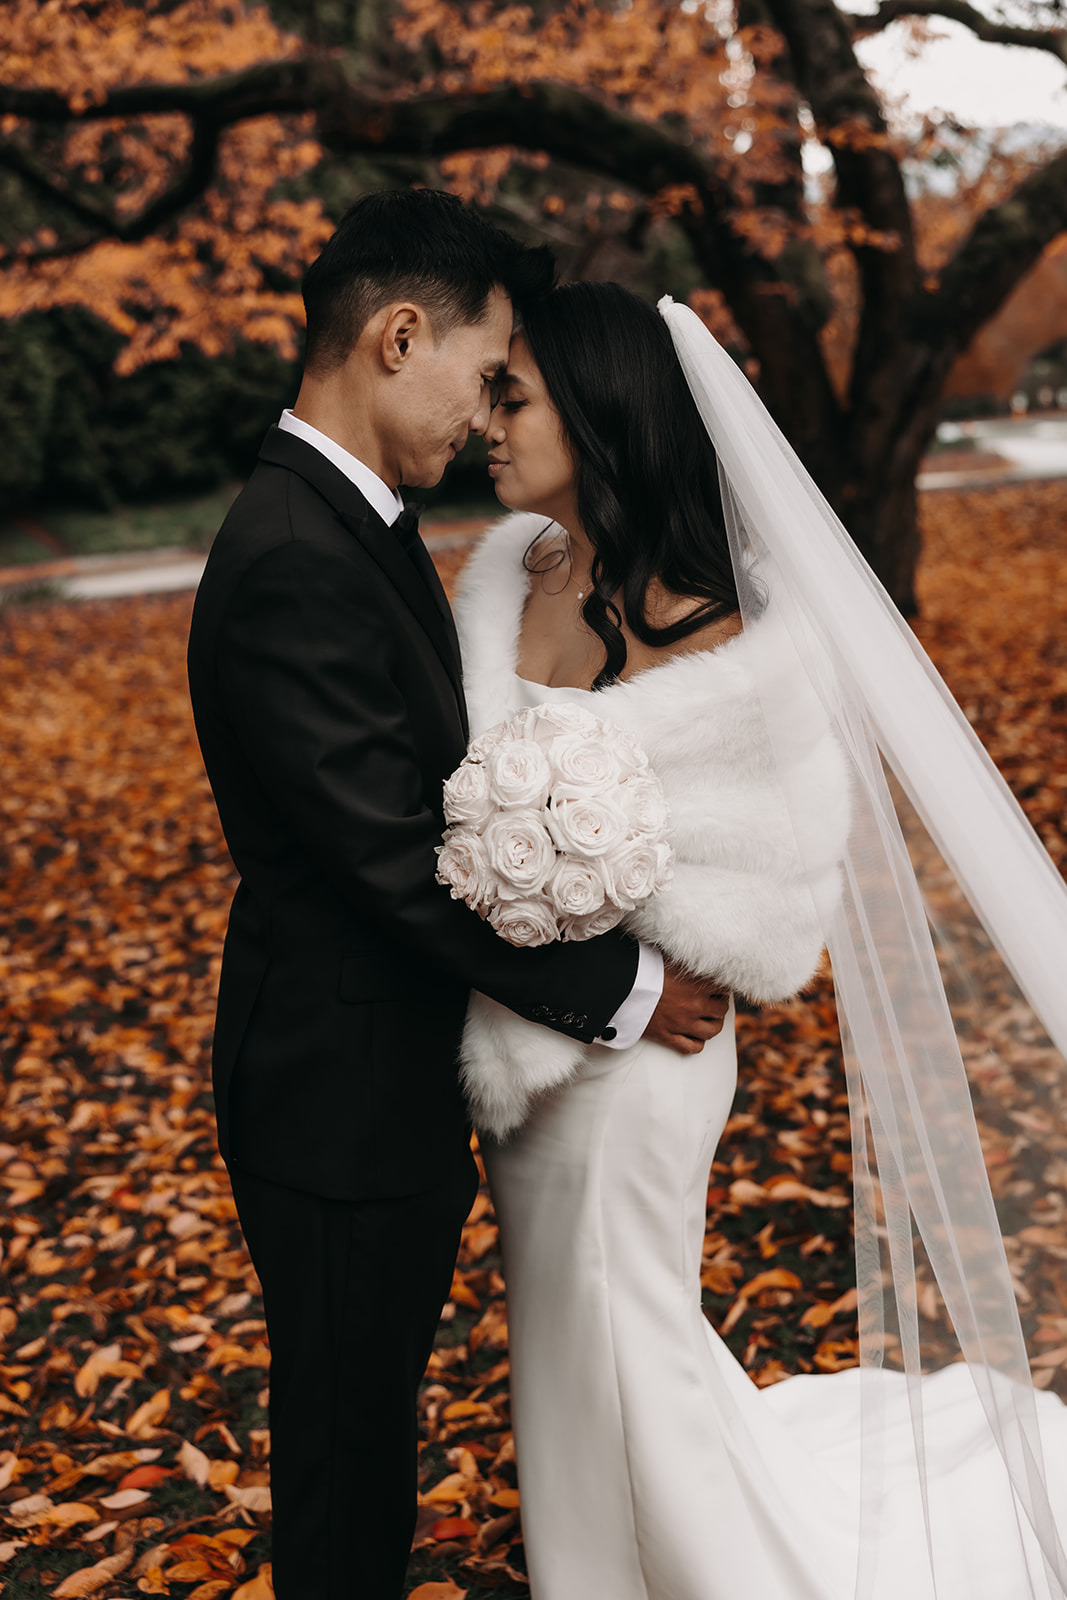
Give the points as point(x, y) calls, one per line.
point(690, 1012)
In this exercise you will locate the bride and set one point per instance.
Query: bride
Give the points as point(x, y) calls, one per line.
point(701, 596)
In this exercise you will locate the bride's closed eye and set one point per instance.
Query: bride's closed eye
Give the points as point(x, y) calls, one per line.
point(513, 405)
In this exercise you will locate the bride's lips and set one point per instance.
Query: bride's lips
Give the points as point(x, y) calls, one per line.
point(496, 467)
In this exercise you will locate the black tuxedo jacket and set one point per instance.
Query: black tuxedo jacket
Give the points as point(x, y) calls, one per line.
point(325, 679)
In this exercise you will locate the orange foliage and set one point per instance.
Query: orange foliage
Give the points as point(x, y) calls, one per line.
point(203, 279)
point(84, 50)
point(653, 59)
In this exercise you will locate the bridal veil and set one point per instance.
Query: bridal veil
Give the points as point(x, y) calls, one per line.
point(920, 779)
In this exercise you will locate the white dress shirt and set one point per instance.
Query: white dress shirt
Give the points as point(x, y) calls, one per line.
point(633, 1016)
point(386, 502)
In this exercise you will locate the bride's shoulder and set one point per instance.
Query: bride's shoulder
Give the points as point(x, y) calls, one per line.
point(666, 611)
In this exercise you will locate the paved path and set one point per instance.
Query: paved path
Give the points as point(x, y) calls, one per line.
point(1028, 447)
point(155, 571)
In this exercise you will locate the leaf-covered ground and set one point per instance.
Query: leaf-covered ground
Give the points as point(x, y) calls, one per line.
point(134, 1457)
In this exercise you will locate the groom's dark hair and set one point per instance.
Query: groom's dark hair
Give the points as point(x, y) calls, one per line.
point(417, 243)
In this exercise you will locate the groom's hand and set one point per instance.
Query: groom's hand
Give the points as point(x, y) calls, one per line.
point(690, 1012)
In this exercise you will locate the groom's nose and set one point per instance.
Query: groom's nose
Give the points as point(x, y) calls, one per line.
point(482, 418)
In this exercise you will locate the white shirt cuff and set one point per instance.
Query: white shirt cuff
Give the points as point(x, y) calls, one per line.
point(635, 1013)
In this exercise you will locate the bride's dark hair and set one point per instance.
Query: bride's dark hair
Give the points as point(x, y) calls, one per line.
point(647, 474)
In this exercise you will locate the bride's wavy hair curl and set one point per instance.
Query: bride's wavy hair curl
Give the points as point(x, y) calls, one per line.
point(647, 474)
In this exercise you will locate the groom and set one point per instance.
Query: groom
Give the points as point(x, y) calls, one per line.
point(325, 680)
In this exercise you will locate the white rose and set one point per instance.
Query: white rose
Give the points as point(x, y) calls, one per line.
point(466, 794)
point(524, 922)
point(643, 802)
point(479, 748)
point(519, 853)
point(632, 873)
point(577, 929)
point(523, 725)
point(562, 716)
point(463, 866)
point(583, 760)
point(585, 824)
point(575, 888)
point(628, 752)
point(664, 866)
point(518, 774)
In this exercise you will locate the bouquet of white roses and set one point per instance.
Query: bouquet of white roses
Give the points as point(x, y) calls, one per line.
point(557, 827)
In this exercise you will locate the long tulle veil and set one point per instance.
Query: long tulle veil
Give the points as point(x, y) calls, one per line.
point(924, 1209)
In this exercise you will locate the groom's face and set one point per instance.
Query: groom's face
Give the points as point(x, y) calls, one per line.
point(442, 393)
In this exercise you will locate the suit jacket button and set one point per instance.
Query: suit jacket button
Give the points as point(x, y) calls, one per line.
point(609, 1033)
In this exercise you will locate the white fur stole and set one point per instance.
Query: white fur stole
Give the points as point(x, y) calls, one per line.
point(743, 907)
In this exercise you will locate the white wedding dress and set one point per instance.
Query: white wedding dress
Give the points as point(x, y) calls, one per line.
point(650, 1466)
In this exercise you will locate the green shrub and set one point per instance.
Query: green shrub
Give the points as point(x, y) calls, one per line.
point(75, 432)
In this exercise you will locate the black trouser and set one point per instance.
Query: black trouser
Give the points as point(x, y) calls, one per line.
point(352, 1293)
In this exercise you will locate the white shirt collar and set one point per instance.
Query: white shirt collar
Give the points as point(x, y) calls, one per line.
point(386, 502)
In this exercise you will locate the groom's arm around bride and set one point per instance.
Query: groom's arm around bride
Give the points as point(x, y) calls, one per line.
point(326, 685)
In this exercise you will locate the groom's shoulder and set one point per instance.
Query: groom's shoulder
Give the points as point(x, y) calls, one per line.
point(278, 509)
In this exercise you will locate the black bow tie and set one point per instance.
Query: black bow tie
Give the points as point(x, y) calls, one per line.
point(406, 527)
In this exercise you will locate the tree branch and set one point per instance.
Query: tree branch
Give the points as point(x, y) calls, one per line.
point(1053, 40)
point(195, 178)
point(1005, 244)
point(299, 84)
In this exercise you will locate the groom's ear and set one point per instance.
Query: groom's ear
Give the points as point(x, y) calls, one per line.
point(403, 327)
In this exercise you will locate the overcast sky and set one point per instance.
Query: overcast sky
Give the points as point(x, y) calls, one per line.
point(985, 85)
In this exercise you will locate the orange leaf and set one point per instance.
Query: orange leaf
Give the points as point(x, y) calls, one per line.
point(465, 1408)
point(145, 1477)
point(454, 1528)
point(773, 1278)
point(106, 1362)
point(258, 1588)
point(188, 1571)
point(65, 1516)
point(833, 1355)
point(462, 1295)
point(142, 1425)
point(87, 1580)
point(783, 1188)
point(220, 1473)
point(437, 1591)
point(456, 1486)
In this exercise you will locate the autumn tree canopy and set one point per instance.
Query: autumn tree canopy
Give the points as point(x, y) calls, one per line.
point(152, 157)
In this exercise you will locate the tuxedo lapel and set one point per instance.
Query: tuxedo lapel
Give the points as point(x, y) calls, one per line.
point(423, 562)
point(413, 576)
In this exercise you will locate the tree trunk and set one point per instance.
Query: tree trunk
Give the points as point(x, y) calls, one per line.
point(884, 523)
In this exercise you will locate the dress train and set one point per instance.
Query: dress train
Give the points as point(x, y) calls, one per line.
point(650, 1466)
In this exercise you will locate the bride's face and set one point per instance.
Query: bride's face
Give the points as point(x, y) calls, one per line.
point(530, 461)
